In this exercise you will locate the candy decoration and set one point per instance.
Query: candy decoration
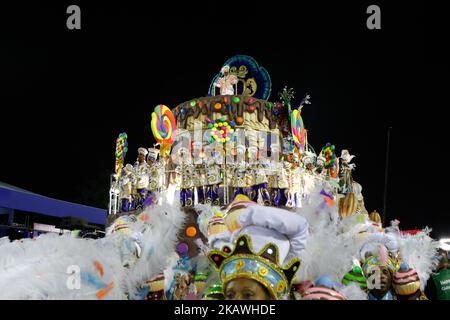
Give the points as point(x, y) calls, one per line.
point(328, 152)
point(164, 127)
point(182, 249)
point(121, 151)
point(348, 205)
point(191, 232)
point(220, 128)
point(298, 130)
point(122, 145)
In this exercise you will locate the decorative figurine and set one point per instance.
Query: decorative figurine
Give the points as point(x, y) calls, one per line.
point(226, 82)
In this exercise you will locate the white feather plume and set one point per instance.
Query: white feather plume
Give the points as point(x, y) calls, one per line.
point(353, 292)
point(327, 252)
point(158, 244)
point(38, 269)
point(418, 251)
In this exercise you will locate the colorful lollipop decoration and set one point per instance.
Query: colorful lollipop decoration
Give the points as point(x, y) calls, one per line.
point(164, 128)
point(331, 161)
point(221, 130)
point(298, 130)
point(121, 150)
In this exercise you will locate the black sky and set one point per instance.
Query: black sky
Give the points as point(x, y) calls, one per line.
point(68, 94)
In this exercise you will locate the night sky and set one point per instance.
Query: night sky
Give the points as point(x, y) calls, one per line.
point(67, 94)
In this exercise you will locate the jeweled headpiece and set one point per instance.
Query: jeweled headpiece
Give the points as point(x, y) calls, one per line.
point(263, 267)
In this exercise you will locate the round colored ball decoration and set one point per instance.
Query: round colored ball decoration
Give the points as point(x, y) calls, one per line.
point(182, 249)
point(239, 120)
point(218, 106)
point(191, 232)
point(163, 125)
point(193, 103)
point(298, 130)
point(220, 130)
point(236, 100)
point(331, 162)
point(251, 109)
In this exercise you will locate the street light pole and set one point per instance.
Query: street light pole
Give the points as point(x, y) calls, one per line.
point(386, 171)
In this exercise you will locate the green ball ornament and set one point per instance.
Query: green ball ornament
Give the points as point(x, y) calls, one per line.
point(236, 99)
point(193, 103)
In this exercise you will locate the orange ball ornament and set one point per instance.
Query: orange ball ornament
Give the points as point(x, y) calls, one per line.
point(191, 232)
point(239, 120)
point(218, 106)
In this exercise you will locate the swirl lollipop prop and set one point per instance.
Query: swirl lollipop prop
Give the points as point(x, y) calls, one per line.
point(121, 151)
point(164, 128)
point(298, 130)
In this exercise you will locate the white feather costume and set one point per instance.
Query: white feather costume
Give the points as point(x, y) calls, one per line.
point(41, 268)
point(327, 250)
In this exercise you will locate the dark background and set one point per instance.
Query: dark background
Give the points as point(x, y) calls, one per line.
point(67, 94)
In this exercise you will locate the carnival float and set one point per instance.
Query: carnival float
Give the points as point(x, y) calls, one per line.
point(230, 194)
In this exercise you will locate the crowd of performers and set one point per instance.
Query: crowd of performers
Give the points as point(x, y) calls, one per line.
point(285, 182)
point(243, 250)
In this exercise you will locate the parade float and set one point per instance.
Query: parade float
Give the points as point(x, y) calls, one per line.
point(230, 195)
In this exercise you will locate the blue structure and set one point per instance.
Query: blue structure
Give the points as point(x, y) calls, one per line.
point(13, 198)
point(253, 79)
